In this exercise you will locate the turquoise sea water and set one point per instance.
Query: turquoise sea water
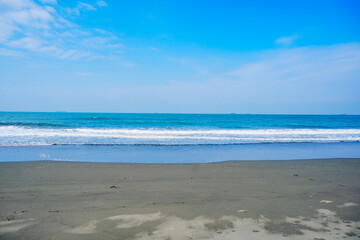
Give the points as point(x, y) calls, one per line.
point(196, 137)
point(173, 129)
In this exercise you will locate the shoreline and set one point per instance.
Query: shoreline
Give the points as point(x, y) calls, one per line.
point(294, 199)
point(181, 154)
point(186, 163)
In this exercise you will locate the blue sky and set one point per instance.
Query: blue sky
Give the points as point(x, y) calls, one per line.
point(180, 56)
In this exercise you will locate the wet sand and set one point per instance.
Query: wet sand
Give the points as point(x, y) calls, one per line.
point(302, 199)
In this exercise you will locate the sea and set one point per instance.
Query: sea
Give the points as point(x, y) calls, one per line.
point(175, 138)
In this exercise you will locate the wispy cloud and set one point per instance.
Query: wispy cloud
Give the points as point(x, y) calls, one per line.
point(81, 7)
point(101, 3)
point(29, 43)
point(48, 1)
point(18, 15)
point(154, 49)
point(301, 64)
point(287, 40)
point(82, 74)
point(7, 52)
point(29, 26)
point(280, 81)
point(102, 42)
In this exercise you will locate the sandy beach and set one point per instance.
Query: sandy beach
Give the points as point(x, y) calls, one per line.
point(301, 199)
point(179, 120)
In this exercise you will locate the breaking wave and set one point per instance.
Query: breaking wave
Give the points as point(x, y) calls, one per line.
point(19, 135)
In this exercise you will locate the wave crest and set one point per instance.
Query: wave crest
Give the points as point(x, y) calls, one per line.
point(16, 135)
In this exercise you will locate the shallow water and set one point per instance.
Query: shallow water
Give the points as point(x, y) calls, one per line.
point(180, 154)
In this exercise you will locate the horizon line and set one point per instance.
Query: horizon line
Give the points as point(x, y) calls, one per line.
point(230, 113)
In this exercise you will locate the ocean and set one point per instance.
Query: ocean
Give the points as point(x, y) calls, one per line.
point(176, 138)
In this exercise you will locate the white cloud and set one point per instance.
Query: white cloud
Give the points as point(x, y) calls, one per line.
point(115, 46)
point(86, 6)
point(29, 26)
point(301, 80)
point(32, 16)
point(81, 7)
point(125, 63)
point(102, 42)
point(154, 49)
point(315, 63)
point(17, 15)
point(6, 29)
point(29, 43)
point(82, 74)
point(101, 3)
point(286, 41)
point(48, 1)
point(7, 52)
point(74, 54)
point(16, 4)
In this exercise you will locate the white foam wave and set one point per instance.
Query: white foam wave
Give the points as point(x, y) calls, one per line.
point(14, 135)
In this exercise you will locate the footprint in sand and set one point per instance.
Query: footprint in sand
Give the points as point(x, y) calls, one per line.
point(14, 225)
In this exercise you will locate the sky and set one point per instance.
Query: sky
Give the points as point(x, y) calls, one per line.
point(269, 57)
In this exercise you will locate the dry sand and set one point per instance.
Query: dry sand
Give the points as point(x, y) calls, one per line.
point(230, 200)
